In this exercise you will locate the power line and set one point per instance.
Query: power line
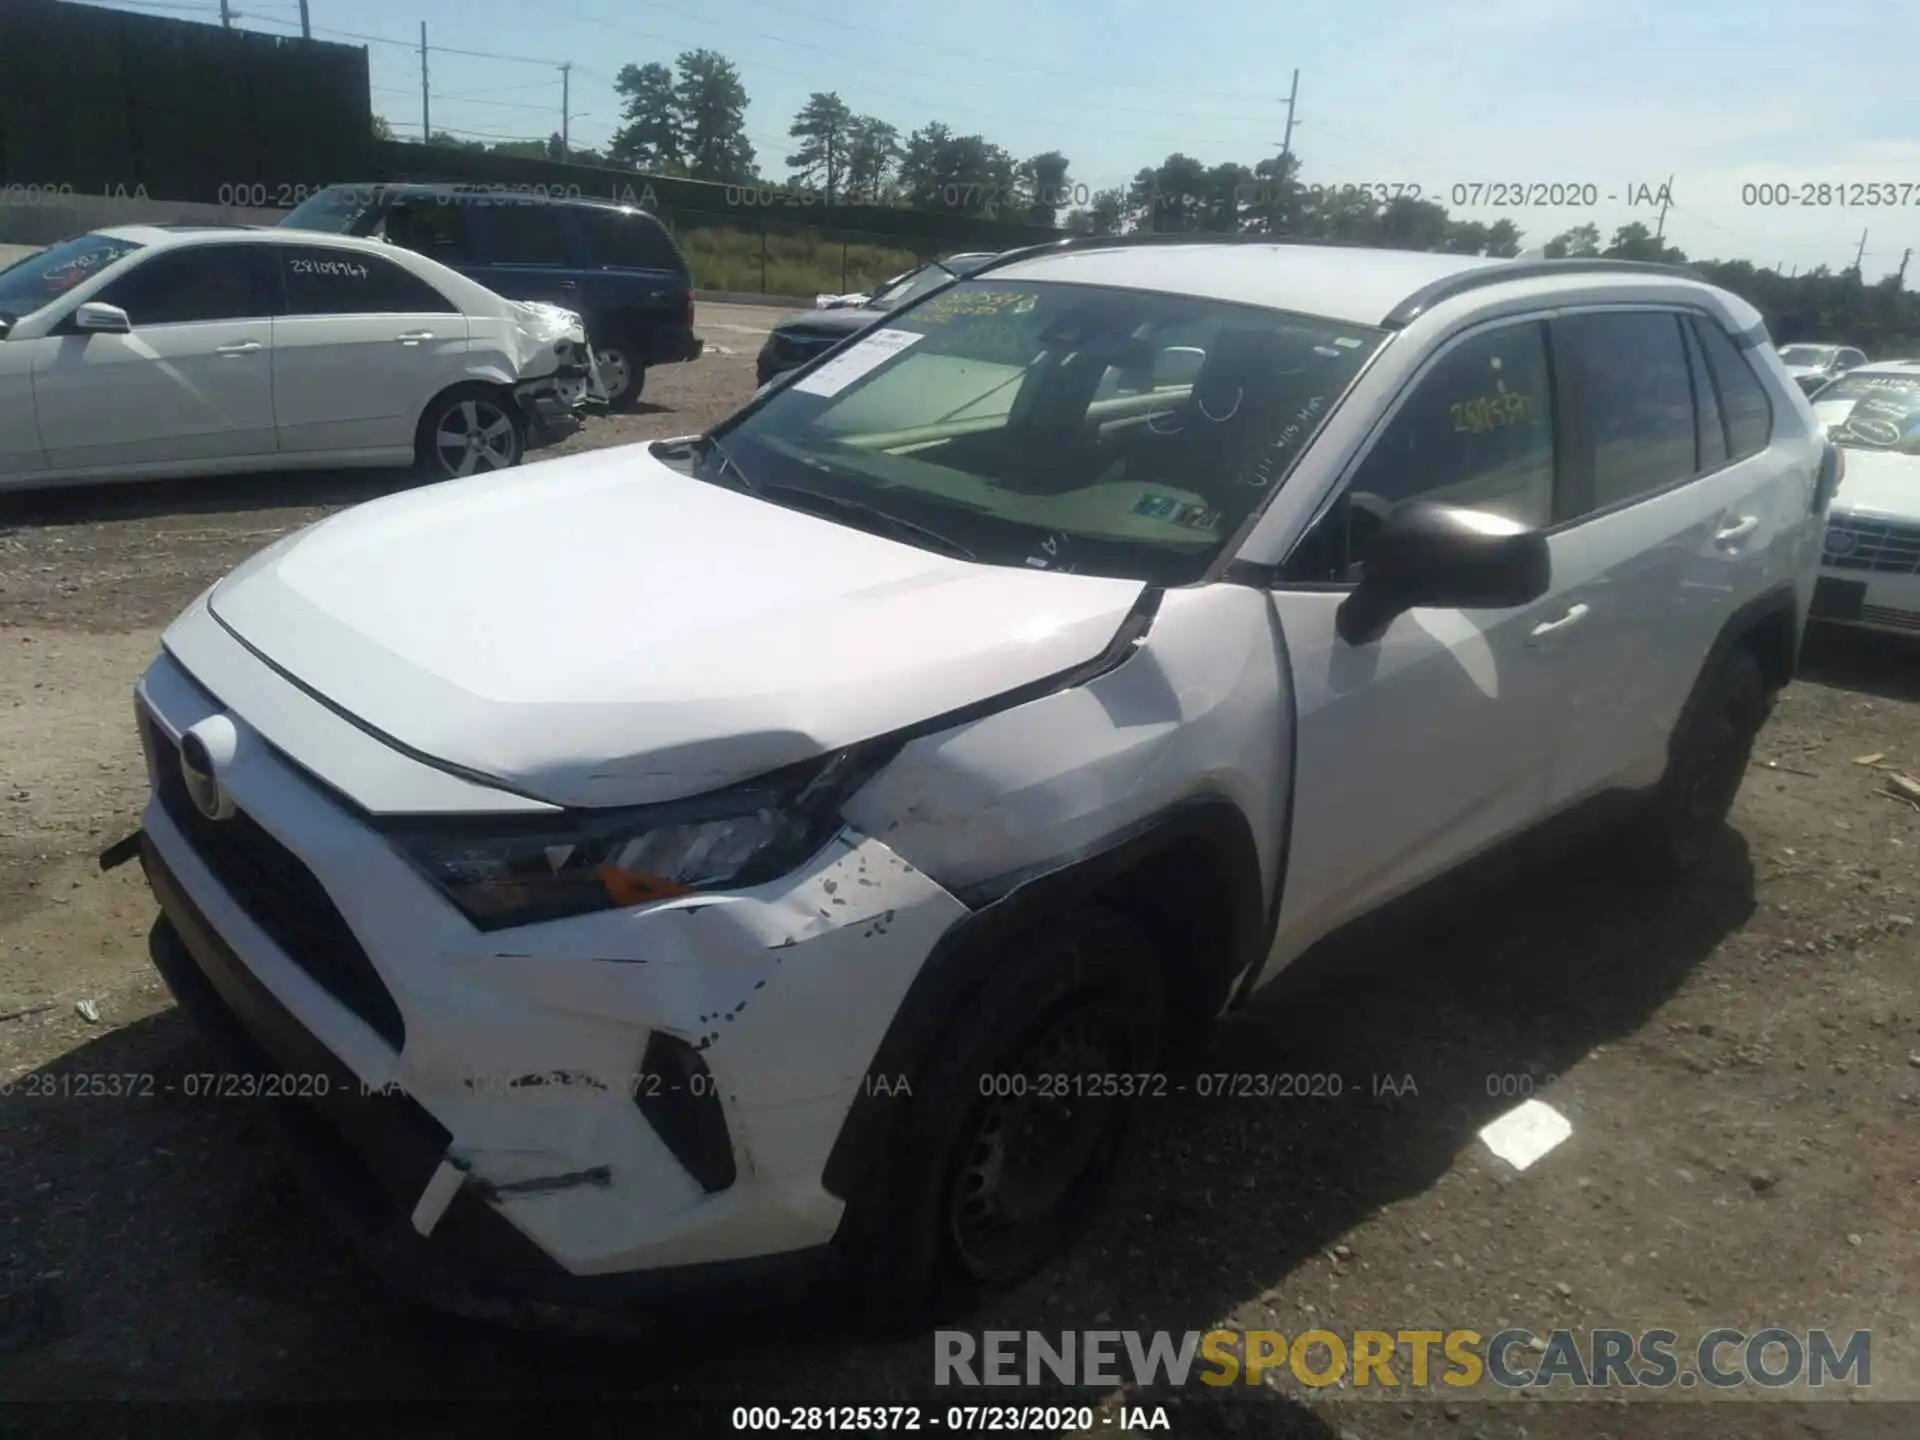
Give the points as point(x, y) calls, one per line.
point(998, 61)
point(812, 78)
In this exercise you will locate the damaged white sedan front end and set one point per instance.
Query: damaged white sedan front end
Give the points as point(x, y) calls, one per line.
point(558, 376)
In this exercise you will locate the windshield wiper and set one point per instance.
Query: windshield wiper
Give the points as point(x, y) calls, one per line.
point(871, 516)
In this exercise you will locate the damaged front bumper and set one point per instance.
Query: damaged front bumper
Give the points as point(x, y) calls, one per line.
point(580, 1116)
point(369, 1156)
point(560, 376)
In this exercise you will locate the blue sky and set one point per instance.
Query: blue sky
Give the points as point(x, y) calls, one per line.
point(1615, 93)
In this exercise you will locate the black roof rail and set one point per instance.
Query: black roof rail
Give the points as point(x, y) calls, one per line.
point(1481, 276)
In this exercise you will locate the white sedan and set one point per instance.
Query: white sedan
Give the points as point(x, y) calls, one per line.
point(147, 351)
point(1870, 573)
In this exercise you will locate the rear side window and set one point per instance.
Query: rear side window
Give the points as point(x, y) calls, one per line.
point(525, 234)
point(1742, 400)
point(628, 241)
point(1633, 370)
point(194, 283)
point(435, 228)
point(346, 282)
point(1713, 426)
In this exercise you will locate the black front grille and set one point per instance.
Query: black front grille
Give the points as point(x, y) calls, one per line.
point(281, 895)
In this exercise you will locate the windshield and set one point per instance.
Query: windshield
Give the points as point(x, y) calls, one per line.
point(1060, 427)
point(1872, 412)
point(911, 286)
point(335, 210)
point(1806, 354)
point(41, 279)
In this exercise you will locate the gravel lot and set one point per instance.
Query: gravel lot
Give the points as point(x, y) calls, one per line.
point(1740, 1062)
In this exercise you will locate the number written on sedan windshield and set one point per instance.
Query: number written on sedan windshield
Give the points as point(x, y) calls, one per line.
point(329, 267)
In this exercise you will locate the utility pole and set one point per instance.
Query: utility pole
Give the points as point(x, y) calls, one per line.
point(1900, 279)
point(1666, 199)
point(566, 109)
point(306, 22)
point(426, 126)
point(1286, 150)
point(226, 14)
point(1861, 253)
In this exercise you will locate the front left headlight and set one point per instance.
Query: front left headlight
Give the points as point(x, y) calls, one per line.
point(502, 873)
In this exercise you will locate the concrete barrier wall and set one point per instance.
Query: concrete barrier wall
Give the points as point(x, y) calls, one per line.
point(27, 218)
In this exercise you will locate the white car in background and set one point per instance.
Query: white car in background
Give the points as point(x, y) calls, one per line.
point(1870, 572)
point(146, 351)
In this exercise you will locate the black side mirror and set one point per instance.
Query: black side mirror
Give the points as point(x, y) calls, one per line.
point(1428, 555)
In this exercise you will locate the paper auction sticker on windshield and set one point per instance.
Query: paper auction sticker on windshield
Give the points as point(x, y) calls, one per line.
point(870, 354)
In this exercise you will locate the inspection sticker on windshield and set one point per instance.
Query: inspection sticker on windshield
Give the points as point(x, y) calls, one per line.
point(870, 354)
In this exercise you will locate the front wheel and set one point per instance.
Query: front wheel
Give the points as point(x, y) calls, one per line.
point(470, 430)
point(1712, 749)
point(1015, 1125)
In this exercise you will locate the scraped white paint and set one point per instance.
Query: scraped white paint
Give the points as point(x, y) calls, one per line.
point(1526, 1132)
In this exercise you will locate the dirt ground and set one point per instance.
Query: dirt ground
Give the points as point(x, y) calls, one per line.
point(1740, 1062)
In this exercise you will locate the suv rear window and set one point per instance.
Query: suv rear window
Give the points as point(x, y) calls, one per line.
point(628, 240)
point(525, 234)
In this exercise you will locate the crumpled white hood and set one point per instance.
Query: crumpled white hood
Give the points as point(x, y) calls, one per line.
point(602, 630)
point(538, 326)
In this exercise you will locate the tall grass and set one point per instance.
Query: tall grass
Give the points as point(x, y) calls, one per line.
point(794, 262)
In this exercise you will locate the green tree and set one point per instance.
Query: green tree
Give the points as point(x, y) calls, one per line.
point(1104, 214)
point(1042, 187)
point(382, 129)
point(651, 138)
point(1170, 197)
point(712, 107)
point(1503, 240)
point(444, 140)
point(1580, 243)
point(943, 171)
point(824, 127)
point(873, 149)
point(1636, 242)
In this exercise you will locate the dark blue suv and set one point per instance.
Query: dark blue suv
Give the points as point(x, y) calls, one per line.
point(615, 266)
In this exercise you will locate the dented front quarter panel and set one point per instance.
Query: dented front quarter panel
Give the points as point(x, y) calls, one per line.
point(784, 990)
point(1198, 710)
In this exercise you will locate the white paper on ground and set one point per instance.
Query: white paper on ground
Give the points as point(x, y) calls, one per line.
point(1526, 1132)
point(870, 354)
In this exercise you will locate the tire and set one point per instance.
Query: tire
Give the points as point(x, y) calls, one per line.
point(968, 1199)
point(1712, 749)
point(441, 445)
point(618, 356)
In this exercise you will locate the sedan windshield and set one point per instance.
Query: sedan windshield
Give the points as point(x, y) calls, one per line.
point(1060, 427)
point(43, 278)
point(1807, 355)
point(335, 210)
point(911, 286)
point(1872, 412)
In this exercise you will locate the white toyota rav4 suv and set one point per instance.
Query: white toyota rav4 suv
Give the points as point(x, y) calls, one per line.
point(689, 868)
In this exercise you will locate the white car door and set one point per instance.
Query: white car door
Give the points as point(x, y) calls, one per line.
point(192, 380)
point(20, 453)
point(1680, 533)
point(1437, 741)
point(362, 347)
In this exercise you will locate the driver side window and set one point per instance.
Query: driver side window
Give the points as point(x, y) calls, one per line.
point(1477, 431)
